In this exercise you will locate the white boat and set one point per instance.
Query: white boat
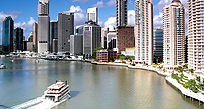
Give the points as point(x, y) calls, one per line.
point(2, 66)
point(36, 60)
point(57, 92)
point(53, 96)
point(11, 60)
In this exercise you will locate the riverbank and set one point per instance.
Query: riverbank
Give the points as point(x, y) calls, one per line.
point(184, 91)
point(149, 68)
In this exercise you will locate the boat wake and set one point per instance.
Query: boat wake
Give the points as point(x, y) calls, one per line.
point(48, 103)
point(54, 95)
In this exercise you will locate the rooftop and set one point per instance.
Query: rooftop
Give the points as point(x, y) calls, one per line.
point(57, 85)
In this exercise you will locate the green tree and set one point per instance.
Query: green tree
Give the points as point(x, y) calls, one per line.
point(192, 71)
point(186, 66)
point(112, 60)
point(157, 59)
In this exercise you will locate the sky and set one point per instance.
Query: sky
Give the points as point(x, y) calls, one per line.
point(24, 12)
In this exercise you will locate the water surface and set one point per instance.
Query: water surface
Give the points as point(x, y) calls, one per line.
point(92, 86)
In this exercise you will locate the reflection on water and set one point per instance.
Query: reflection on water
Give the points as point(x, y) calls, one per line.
point(92, 86)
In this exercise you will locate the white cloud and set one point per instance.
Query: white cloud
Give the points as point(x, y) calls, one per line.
point(111, 3)
point(99, 4)
point(110, 21)
point(13, 14)
point(158, 20)
point(25, 25)
point(79, 15)
point(131, 17)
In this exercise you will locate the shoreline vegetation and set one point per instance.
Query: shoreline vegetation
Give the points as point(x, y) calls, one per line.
point(189, 85)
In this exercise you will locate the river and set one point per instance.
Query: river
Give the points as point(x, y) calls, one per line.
point(92, 86)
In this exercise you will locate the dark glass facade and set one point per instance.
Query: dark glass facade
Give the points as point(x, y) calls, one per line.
point(53, 33)
point(158, 43)
point(18, 39)
point(7, 34)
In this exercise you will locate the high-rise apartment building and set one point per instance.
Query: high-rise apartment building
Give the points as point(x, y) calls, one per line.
point(91, 38)
point(92, 14)
point(158, 43)
point(174, 33)
point(35, 36)
point(144, 31)
point(53, 33)
point(196, 34)
point(18, 39)
point(7, 34)
point(121, 12)
point(43, 26)
point(65, 29)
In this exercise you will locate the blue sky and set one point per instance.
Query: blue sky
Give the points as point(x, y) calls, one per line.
point(24, 12)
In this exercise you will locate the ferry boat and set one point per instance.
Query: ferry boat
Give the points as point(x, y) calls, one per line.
point(57, 92)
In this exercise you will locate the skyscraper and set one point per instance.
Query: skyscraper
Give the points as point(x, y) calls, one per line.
point(76, 44)
point(121, 12)
point(65, 29)
point(43, 26)
point(53, 33)
point(174, 33)
point(7, 34)
point(91, 38)
point(126, 38)
point(92, 14)
point(35, 36)
point(144, 31)
point(195, 34)
point(158, 43)
point(18, 39)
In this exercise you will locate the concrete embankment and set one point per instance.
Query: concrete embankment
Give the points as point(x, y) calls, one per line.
point(186, 92)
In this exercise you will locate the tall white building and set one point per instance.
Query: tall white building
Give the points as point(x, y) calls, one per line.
point(92, 14)
point(174, 33)
point(105, 31)
point(43, 26)
point(196, 34)
point(144, 31)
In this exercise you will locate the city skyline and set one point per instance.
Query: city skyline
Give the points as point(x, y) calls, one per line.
point(24, 17)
